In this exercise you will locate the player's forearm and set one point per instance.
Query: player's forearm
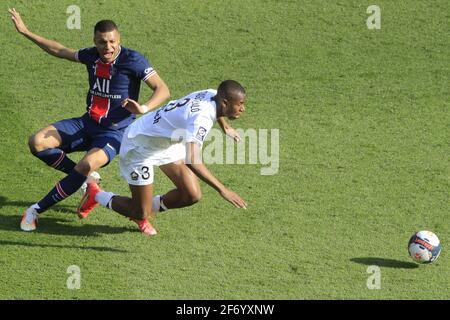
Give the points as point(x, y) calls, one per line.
point(51, 47)
point(160, 94)
point(205, 175)
point(223, 123)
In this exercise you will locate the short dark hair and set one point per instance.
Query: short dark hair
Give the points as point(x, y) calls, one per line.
point(228, 88)
point(105, 26)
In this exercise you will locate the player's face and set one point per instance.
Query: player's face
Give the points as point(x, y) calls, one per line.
point(107, 44)
point(235, 106)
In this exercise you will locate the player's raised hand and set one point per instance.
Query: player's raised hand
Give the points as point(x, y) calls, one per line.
point(133, 106)
point(18, 22)
point(234, 198)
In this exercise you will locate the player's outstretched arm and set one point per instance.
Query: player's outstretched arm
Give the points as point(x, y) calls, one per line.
point(228, 130)
point(52, 47)
point(201, 171)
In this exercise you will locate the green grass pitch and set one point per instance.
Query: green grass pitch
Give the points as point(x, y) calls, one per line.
point(364, 127)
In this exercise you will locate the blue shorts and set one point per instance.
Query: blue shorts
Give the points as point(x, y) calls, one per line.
point(83, 134)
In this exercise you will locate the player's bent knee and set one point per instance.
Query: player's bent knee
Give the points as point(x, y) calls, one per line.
point(84, 167)
point(34, 144)
point(196, 197)
point(192, 198)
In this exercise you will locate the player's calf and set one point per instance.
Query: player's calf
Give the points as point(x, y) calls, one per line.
point(125, 207)
point(139, 213)
point(177, 199)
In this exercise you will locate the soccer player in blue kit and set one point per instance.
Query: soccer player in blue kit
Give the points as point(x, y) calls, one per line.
point(114, 73)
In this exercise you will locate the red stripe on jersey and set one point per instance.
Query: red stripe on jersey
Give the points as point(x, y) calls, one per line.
point(103, 70)
point(99, 108)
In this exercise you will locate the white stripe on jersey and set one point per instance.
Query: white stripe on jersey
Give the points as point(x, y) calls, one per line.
point(152, 73)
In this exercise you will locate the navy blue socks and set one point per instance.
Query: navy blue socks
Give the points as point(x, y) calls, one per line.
point(64, 188)
point(56, 158)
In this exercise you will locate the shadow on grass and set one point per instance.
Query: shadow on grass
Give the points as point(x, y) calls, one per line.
point(382, 262)
point(68, 224)
point(22, 205)
point(38, 245)
point(49, 225)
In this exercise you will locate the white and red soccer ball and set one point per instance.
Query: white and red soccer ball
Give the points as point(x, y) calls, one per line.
point(424, 247)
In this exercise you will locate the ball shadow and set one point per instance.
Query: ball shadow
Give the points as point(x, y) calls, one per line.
point(387, 263)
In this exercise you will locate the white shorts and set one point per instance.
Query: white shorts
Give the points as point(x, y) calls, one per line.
point(138, 155)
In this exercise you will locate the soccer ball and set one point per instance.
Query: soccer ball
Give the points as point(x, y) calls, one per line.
point(424, 247)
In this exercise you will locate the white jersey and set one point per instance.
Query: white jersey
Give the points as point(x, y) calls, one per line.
point(190, 117)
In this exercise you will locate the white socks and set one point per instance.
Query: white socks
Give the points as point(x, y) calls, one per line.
point(158, 205)
point(104, 198)
point(35, 207)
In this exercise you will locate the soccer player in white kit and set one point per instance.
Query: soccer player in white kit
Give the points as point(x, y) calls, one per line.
point(170, 137)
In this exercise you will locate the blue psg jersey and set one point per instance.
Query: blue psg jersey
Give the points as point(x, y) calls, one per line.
point(111, 83)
